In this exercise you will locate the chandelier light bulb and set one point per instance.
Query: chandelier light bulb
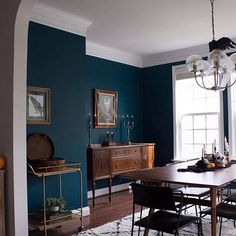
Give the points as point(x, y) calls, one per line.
point(193, 63)
point(233, 58)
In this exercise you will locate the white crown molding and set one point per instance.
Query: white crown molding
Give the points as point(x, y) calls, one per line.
point(59, 19)
point(112, 54)
point(178, 55)
point(174, 56)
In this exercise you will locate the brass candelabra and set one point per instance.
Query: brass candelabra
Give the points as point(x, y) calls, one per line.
point(128, 122)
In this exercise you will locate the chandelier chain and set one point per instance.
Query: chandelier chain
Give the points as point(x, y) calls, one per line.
point(212, 19)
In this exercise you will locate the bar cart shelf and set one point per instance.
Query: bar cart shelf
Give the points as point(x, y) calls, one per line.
point(42, 220)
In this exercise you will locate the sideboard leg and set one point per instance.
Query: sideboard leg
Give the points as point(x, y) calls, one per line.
point(94, 187)
point(110, 184)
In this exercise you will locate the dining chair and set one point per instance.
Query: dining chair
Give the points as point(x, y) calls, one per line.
point(223, 210)
point(192, 191)
point(166, 217)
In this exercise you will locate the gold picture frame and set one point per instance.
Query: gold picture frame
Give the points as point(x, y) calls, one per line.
point(105, 108)
point(38, 105)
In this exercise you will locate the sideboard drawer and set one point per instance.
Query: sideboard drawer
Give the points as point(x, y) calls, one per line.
point(123, 152)
point(119, 152)
point(124, 164)
point(135, 151)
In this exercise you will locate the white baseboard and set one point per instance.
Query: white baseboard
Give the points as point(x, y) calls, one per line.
point(86, 211)
point(104, 191)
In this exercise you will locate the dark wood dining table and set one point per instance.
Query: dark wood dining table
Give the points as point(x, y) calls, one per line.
point(170, 174)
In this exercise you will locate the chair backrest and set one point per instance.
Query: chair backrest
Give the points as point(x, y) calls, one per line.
point(153, 197)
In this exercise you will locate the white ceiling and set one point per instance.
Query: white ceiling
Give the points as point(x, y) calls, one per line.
point(148, 27)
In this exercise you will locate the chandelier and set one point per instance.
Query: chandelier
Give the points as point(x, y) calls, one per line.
point(218, 71)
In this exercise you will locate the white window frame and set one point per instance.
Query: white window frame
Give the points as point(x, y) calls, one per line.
point(232, 119)
point(181, 71)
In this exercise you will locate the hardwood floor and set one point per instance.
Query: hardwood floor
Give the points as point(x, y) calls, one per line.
point(102, 213)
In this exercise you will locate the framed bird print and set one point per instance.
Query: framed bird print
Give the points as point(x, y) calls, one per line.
point(38, 105)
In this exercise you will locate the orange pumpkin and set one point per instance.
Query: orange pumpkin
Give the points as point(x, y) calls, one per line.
point(2, 161)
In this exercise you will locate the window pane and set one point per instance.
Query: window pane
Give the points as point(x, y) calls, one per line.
point(187, 136)
point(199, 105)
point(212, 135)
point(187, 151)
point(199, 92)
point(187, 122)
point(199, 122)
point(199, 136)
point(212, 121)
point(197, 150)
point(212, 104)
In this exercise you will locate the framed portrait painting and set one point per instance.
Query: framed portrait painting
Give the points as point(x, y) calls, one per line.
point(38, 105)
point(105, 111)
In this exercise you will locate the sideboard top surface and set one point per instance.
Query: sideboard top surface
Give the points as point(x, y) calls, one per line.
point(119, 145)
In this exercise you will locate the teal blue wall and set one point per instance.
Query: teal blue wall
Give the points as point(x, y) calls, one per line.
point(158, 110)
point(57, 60)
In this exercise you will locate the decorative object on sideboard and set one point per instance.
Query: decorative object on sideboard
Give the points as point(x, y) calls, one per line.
point(38, 105)
point(89, 126)
point(219, 71)
point(128, 122)
point(110, 136)
point(105, 108)
point(109, 139)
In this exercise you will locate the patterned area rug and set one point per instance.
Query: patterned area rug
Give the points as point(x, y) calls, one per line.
point(122, 227)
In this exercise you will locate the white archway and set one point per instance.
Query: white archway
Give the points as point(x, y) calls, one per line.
point(14, 34)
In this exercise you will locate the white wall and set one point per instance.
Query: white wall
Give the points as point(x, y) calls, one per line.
point(13, 48)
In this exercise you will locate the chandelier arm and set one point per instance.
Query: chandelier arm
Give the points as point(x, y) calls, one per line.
point(197, 81)
point(228, 86)
point(204, 87)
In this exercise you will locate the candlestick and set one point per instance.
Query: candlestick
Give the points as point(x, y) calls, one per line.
point(128, 122)
point(203, 150)
point(214, 151)
point(225, 142)
point(89, 129)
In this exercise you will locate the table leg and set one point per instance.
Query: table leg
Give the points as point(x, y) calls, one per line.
point(213, 194)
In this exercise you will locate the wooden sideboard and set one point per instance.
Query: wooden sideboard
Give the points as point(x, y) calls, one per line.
point(105, 162)
point(2, 205)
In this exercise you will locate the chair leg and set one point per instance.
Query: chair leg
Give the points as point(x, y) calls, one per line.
point(132, 229)
point(140, 217)
point(196, 210)
point(220, 226)
point(200, 227)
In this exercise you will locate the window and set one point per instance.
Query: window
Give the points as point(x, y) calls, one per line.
point(197, 118)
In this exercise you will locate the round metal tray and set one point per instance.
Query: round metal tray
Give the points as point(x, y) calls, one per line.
point(39, 147)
